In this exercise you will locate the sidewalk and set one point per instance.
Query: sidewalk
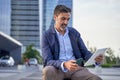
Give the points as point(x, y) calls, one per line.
point(17, 74)
point(33, 73)
point(35, 76)
point(106, 74)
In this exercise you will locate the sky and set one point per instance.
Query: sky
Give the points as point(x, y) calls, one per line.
point(98, 22)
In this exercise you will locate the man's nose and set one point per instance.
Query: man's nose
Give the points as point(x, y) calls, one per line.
point(66, 22)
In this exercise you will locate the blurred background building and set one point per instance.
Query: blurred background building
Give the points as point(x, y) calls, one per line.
point(8, 45)
point(5, 12)
point(26, 20)
point(26, 25)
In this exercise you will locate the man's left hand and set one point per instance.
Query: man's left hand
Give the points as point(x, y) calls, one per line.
point(99, 58)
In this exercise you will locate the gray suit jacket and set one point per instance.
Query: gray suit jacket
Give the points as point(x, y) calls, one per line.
point(51, 48)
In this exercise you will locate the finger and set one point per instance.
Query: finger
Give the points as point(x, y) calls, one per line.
point(74, 64)
point(73, 68)
point(98, 59)
point(100, 55)
point(73, 61)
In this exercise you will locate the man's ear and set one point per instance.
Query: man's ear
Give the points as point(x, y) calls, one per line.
point(55, 17)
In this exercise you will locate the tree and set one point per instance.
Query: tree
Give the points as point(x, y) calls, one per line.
point(111, 57)
point(32, 53)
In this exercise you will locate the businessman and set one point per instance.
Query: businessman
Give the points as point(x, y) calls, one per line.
point(61, 47)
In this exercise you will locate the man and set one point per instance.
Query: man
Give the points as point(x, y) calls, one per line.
point(62, 45)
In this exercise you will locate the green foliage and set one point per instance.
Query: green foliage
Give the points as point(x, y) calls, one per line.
point(110, 59)
point(110, 53)
point(32, 53)
point(106, 65)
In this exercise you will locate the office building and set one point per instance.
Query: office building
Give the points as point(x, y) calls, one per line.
point(8, 45)
point(30, 18)
point(5, 16)
point(25, 22)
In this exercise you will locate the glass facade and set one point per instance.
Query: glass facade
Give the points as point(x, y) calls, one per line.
point(48, 8)
point(5, 16)
point(25, 21)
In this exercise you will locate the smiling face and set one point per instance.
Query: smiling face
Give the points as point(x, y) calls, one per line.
point(61, 21)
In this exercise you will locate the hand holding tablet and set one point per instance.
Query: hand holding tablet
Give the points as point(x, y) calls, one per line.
point(91, 61)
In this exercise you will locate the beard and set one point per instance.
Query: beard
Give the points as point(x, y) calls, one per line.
point(63, 27)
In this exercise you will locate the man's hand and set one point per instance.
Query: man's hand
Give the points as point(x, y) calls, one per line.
point(71, 65)
point(99, 59)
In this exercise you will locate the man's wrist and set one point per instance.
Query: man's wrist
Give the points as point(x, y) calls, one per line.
point(64, 64)
point(64, 69)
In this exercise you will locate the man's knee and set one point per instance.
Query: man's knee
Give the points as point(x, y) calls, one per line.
point(48, 70)
point(51, 73)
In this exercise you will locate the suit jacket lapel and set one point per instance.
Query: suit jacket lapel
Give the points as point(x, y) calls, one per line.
point(57, 47)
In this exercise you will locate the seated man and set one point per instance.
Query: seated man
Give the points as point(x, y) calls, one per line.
point(62, 45)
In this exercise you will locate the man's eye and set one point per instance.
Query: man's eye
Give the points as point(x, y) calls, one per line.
point(63, 18)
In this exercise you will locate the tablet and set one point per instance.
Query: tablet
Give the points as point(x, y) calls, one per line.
point(91, 61)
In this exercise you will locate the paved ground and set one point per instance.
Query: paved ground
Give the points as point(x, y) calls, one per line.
point(13, 73)
point(105, 74)
point(35, 76)
point(33, 73)
point(108, 73)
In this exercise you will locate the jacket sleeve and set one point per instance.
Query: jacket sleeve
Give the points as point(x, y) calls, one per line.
point(48, 54)
point(84, 51)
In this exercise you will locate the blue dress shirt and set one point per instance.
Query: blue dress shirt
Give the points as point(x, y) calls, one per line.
point(66, 51)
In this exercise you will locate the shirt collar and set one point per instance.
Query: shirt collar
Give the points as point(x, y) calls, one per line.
point(67, 31)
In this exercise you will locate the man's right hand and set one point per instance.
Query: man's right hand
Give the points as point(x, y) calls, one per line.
point(71, 65)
